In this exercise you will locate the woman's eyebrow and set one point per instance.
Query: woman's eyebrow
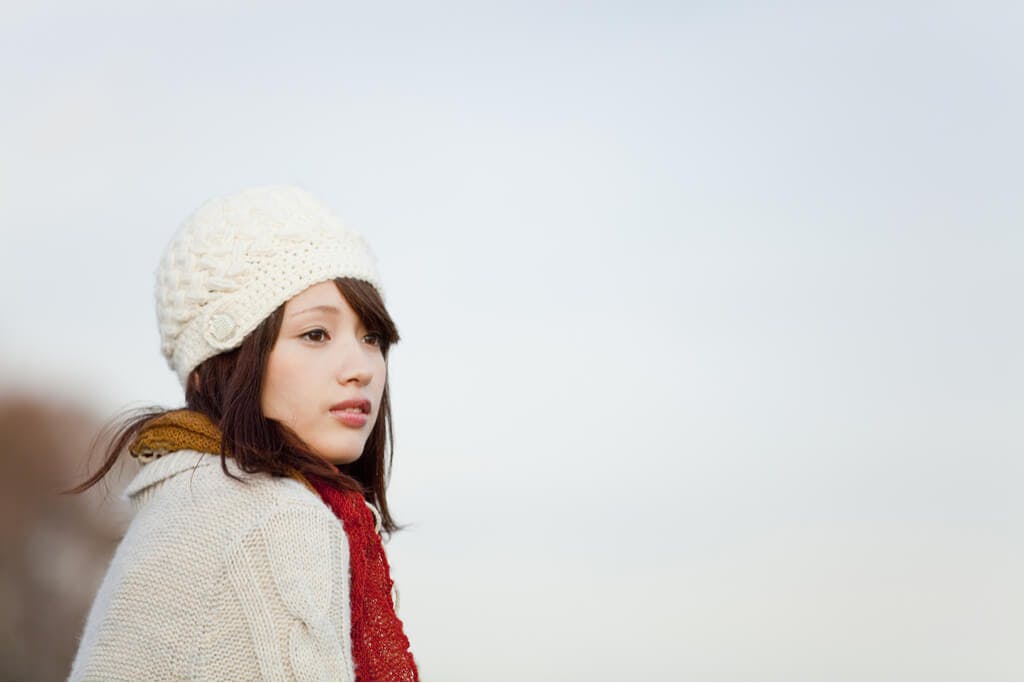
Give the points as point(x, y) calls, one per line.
point(324, 308)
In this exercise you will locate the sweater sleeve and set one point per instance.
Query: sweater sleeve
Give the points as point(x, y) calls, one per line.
point(290, 575)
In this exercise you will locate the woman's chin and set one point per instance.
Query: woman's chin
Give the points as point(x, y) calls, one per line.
point(339, 454)
point(343, 460)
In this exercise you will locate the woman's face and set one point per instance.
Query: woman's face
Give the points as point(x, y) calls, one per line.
point(322, 356)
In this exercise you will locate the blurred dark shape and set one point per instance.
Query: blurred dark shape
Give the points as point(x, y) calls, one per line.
point(56, 548)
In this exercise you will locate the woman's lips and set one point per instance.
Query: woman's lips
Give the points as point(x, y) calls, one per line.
point(350, 417)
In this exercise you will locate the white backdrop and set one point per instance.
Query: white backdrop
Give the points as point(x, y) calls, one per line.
point(711, 356)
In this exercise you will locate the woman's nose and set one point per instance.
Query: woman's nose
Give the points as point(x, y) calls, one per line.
point(354, 365)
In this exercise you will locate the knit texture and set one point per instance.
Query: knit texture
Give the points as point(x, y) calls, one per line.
point(176, 430)
point(218, 579)
point(240, 256)
point(381, 648)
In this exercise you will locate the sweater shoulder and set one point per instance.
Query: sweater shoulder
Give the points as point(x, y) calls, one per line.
point(219, 572)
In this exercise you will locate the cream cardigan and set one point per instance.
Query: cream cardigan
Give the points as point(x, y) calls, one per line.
point(220, 580)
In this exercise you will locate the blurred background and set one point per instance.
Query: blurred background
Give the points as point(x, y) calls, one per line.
point(711, 355)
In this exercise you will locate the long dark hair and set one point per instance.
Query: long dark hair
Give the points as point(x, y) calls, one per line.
point(227, 389)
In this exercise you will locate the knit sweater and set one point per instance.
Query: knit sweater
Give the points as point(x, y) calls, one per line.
point(220, 580)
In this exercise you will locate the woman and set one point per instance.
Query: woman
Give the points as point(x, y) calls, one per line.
point(254, 552)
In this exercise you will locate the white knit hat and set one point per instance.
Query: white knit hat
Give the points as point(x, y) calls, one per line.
point(239, 257)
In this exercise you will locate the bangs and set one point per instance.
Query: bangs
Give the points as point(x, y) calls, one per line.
point(366, 301)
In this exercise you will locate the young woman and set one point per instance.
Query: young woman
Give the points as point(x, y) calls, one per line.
point(255, 549)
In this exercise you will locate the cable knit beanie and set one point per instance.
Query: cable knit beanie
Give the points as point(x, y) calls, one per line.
point(239, 257)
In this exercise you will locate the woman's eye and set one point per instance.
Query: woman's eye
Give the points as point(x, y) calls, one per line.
point(375, 337)
point(317, 331)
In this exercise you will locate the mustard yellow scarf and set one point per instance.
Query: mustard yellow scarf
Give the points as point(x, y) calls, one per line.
point(180, 430)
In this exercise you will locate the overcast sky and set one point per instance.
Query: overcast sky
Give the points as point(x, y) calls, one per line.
point(711, 355)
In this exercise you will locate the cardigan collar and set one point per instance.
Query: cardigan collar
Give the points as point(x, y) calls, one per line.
point(176, 462)
point(166, 467)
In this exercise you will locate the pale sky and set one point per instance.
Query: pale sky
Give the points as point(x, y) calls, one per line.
point(711, 355)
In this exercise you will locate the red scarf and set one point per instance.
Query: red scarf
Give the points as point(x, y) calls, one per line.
point(379, 646)
point(380, 649)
